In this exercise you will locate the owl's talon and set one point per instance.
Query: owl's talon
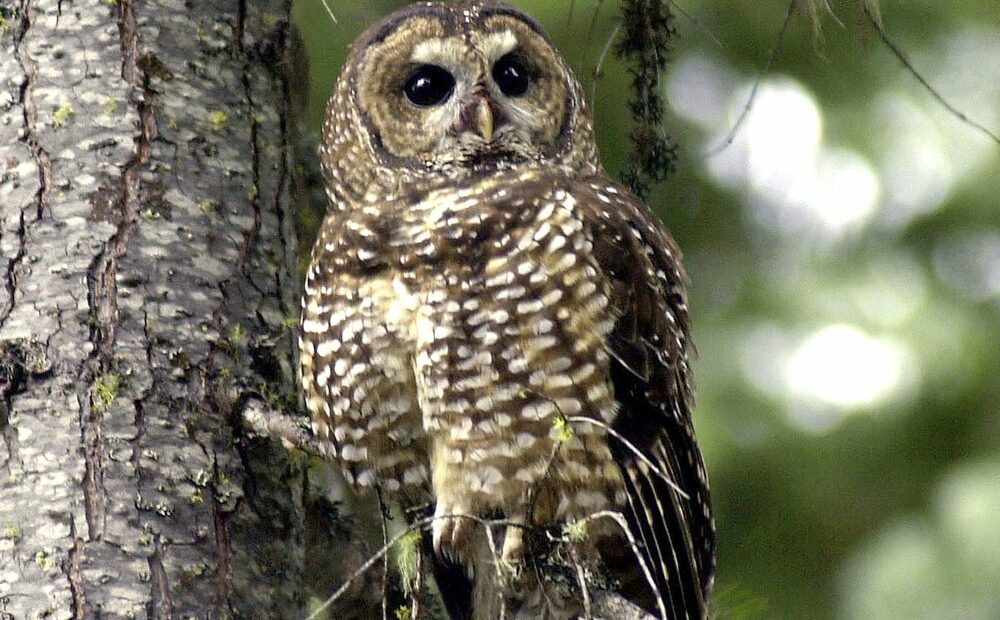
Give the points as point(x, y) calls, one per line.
point(513, 545)
point(450, 534)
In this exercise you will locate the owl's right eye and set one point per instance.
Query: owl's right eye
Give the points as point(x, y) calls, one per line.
point(429, 85)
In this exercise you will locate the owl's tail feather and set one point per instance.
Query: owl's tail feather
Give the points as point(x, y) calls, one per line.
point(657, 519)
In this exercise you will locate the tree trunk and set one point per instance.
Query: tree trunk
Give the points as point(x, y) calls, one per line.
point(148, 280)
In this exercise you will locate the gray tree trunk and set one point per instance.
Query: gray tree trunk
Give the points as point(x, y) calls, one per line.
point(147, 294)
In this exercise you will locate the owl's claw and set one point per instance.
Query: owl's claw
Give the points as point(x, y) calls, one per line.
point(451, 532)
point(513, 545)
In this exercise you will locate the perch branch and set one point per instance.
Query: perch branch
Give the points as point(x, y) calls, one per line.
point(876, 23)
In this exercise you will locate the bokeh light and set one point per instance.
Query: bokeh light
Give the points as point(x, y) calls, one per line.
point(946, 565)
point(790, 178)
point(842, 366)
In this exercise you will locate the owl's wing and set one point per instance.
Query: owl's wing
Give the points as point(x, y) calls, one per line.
point(650, 349)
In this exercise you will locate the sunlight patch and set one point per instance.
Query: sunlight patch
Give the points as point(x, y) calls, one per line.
point(792, 181)
point(842, 366)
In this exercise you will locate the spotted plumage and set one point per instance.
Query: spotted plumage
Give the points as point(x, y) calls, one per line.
point(490, 324)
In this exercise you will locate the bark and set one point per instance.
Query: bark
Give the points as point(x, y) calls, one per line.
point(148, 295)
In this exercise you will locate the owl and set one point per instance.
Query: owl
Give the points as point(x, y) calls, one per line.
point(493, 329)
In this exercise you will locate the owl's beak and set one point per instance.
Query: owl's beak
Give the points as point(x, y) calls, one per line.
point(484, 119)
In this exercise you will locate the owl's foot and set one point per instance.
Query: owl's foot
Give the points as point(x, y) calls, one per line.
point(452, 531)
point(454, 527)
point(513, 542)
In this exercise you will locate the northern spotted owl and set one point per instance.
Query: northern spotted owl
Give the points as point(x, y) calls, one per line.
point(491, 325)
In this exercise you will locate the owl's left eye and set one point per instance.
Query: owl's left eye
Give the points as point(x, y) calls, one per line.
point(429, 85)
point(511, 76)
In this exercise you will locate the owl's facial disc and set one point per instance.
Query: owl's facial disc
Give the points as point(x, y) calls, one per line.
point(488, 91)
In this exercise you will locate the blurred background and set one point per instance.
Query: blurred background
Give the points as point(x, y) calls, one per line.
point(844, 252)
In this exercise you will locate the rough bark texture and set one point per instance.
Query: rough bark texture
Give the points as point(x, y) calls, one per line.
point(146, 286)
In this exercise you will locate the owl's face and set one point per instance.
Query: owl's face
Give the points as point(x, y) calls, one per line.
point(462, 85)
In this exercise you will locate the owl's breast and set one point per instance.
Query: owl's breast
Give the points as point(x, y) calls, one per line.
point(460, 227)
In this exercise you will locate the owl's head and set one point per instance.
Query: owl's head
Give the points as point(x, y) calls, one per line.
point(443, 88)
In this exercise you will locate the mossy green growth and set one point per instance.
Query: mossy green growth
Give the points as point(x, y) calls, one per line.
point(271, 395)
point(236, 335)
point(104, 390)
point(563, 430)
point(406, 559)
point(575, 531)
point(45, 562)
point(61, 115)
point(195, 570)
point(218, 119)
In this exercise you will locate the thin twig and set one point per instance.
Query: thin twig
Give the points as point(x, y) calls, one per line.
point(533, 491)
point(537, 574)
point(731, 135)
point(492, 543)
point(618, 518)
point(600, 62)
point(384, 514)
point(814, 7)
point(328, 11)
point(697, 24)
point(632, 448)
point(581, 576)
point(593, 23)
point(416, 526)
point(426, 522)
point(902, 58)
point(365, 567)
point(829, 10)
